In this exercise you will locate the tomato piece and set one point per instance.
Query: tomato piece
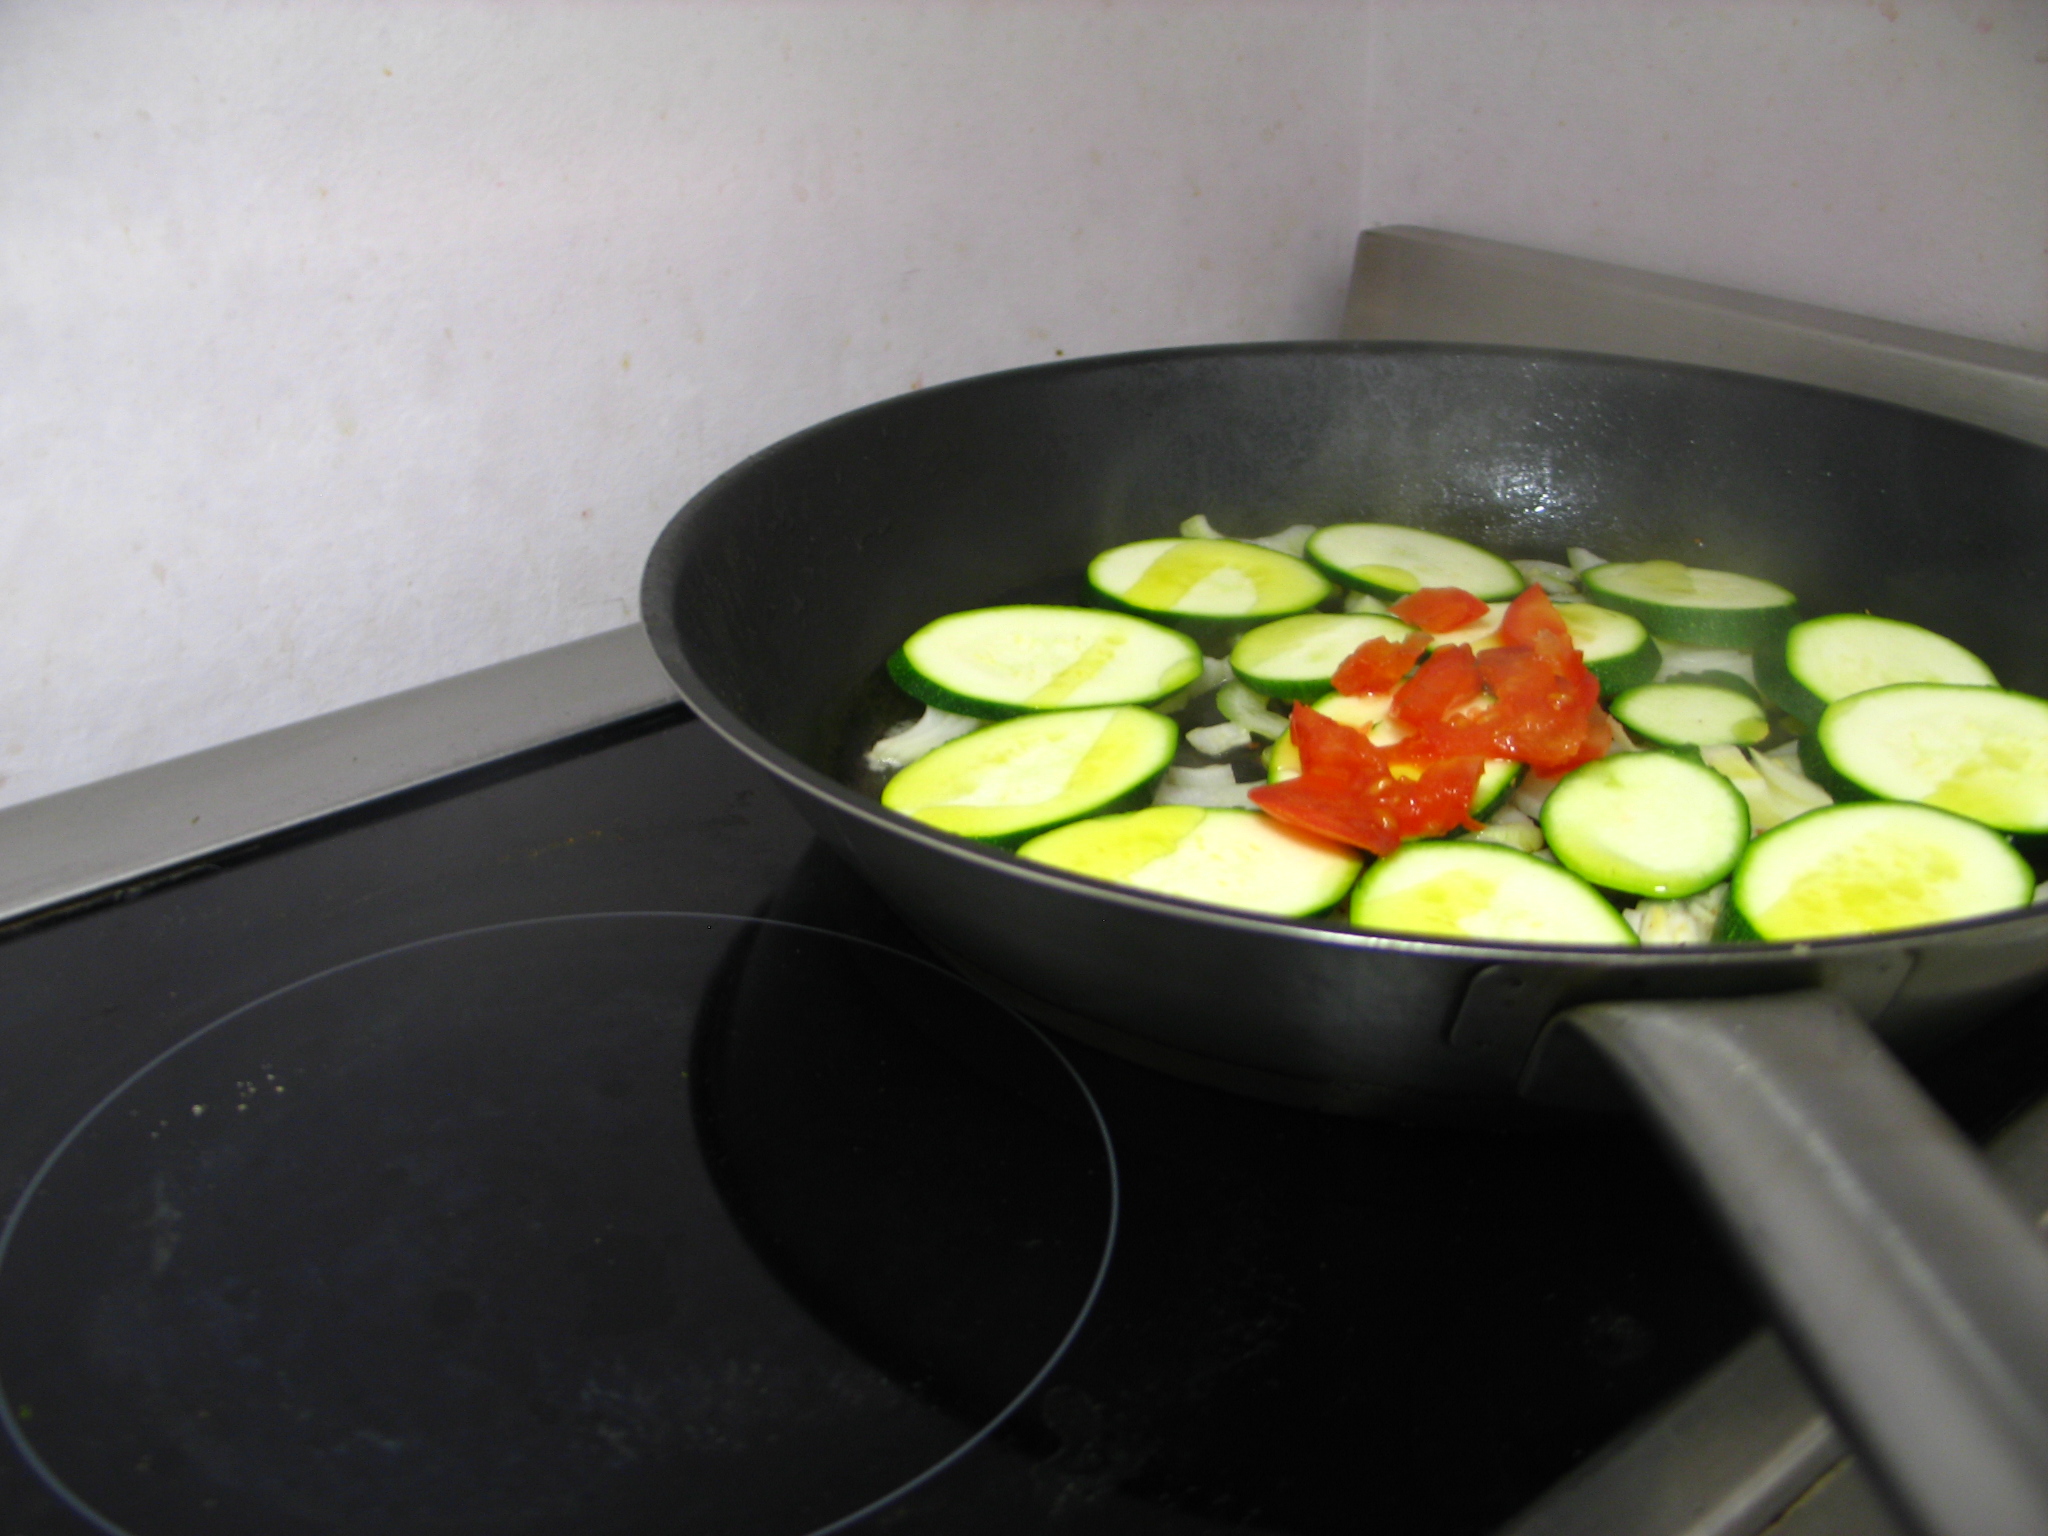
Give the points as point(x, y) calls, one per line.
point(1379, 665)
point(1342, 790)
point(1530, 615)
point(1440, 609)
point(1332, 750)
point(1440, 799)
point(1333, 812)
point(1448, 679)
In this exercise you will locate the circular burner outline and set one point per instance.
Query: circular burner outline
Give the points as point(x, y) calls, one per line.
point(85, 1511)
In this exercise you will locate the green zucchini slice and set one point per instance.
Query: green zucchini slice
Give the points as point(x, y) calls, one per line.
point(1870, 868)
point(1365, 710)
point(1014, 779)
point(1691, 606)
point(1213, 579)
point(1692, 715)
point(1616, 647)
point(1648, 823)
point(1390, 561)
point(1295, 658)
point(998, 662)
point(1474, 890)
point(1228, 858)
point(1979, 752)
point(1840, 654)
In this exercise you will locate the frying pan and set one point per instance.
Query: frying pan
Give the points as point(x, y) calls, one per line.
point(1909, 1286)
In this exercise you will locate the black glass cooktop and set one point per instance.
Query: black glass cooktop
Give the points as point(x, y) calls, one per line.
point(579, 1147)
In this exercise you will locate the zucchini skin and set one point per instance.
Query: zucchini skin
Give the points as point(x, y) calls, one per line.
point(1618, 674)
point(922, 689)
point(1741, 629)
point(1781, 688)
point(1136, 800)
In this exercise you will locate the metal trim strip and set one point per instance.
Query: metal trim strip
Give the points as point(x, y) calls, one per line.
point(68, 846)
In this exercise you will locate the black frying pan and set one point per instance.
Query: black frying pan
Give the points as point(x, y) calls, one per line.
point(1913, 1290)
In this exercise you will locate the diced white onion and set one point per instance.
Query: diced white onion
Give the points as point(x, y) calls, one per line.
point(1364, 602)
point(1288, 541)
point(905, 744)
point(1215, 740)
point(1776, 791)
point(1511, 829)
point(1556, 580)
point(1243, 707)
point(1215, 673)
point(1530, 794)
point(1216, 788)
point(1703, 658)
point(1691, 921)
point(1582, 560)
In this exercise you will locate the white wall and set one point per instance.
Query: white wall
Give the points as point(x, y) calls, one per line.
point(1884, 156)
point(346, 346)
point(343, 346)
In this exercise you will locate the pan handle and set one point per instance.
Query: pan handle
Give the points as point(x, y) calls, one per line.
point(1909, 1286)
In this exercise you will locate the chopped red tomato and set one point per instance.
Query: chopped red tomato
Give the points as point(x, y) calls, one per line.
point(1342, 788)
point(1379, 665)
point(1440, 609)
point(1349, 790)
point(1530, 615)
point(1530, 698)
point(1449, 679)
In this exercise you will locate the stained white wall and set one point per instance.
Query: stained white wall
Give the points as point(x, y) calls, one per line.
point(346, 346)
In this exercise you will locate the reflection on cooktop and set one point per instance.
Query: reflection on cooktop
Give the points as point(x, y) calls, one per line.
point(587, 1224)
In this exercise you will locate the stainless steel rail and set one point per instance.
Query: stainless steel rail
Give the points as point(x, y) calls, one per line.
point(1412, 284)
point(65, 847)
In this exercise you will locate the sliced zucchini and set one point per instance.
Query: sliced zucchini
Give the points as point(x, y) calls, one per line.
point(1212, 579)
point(1870, 868)
point(1296, 658)
point(1365, 711)
point(1648, 823)
point(999, 662)
point(1474, 890)
point(1017, 778)
point(1615, 646)
point(1390, 561)
point(1692, 715)
point(1839, 654)
point(1980, 752)
point(1691, 606)
point(1228, 858)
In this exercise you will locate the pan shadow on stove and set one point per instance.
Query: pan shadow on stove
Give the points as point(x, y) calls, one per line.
point(1318, 1324)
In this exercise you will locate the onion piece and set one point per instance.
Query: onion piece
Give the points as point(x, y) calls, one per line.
point(1215, 740)
point(1214, 788)
point(904, 744)
point(1557, 581)
point(1215, 673)
point(1694, 920)
point(1242, 707)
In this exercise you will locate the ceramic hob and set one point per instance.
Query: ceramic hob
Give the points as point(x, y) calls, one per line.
point(576, 1146)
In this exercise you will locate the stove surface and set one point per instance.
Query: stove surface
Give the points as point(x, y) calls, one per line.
point(810, 1157)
